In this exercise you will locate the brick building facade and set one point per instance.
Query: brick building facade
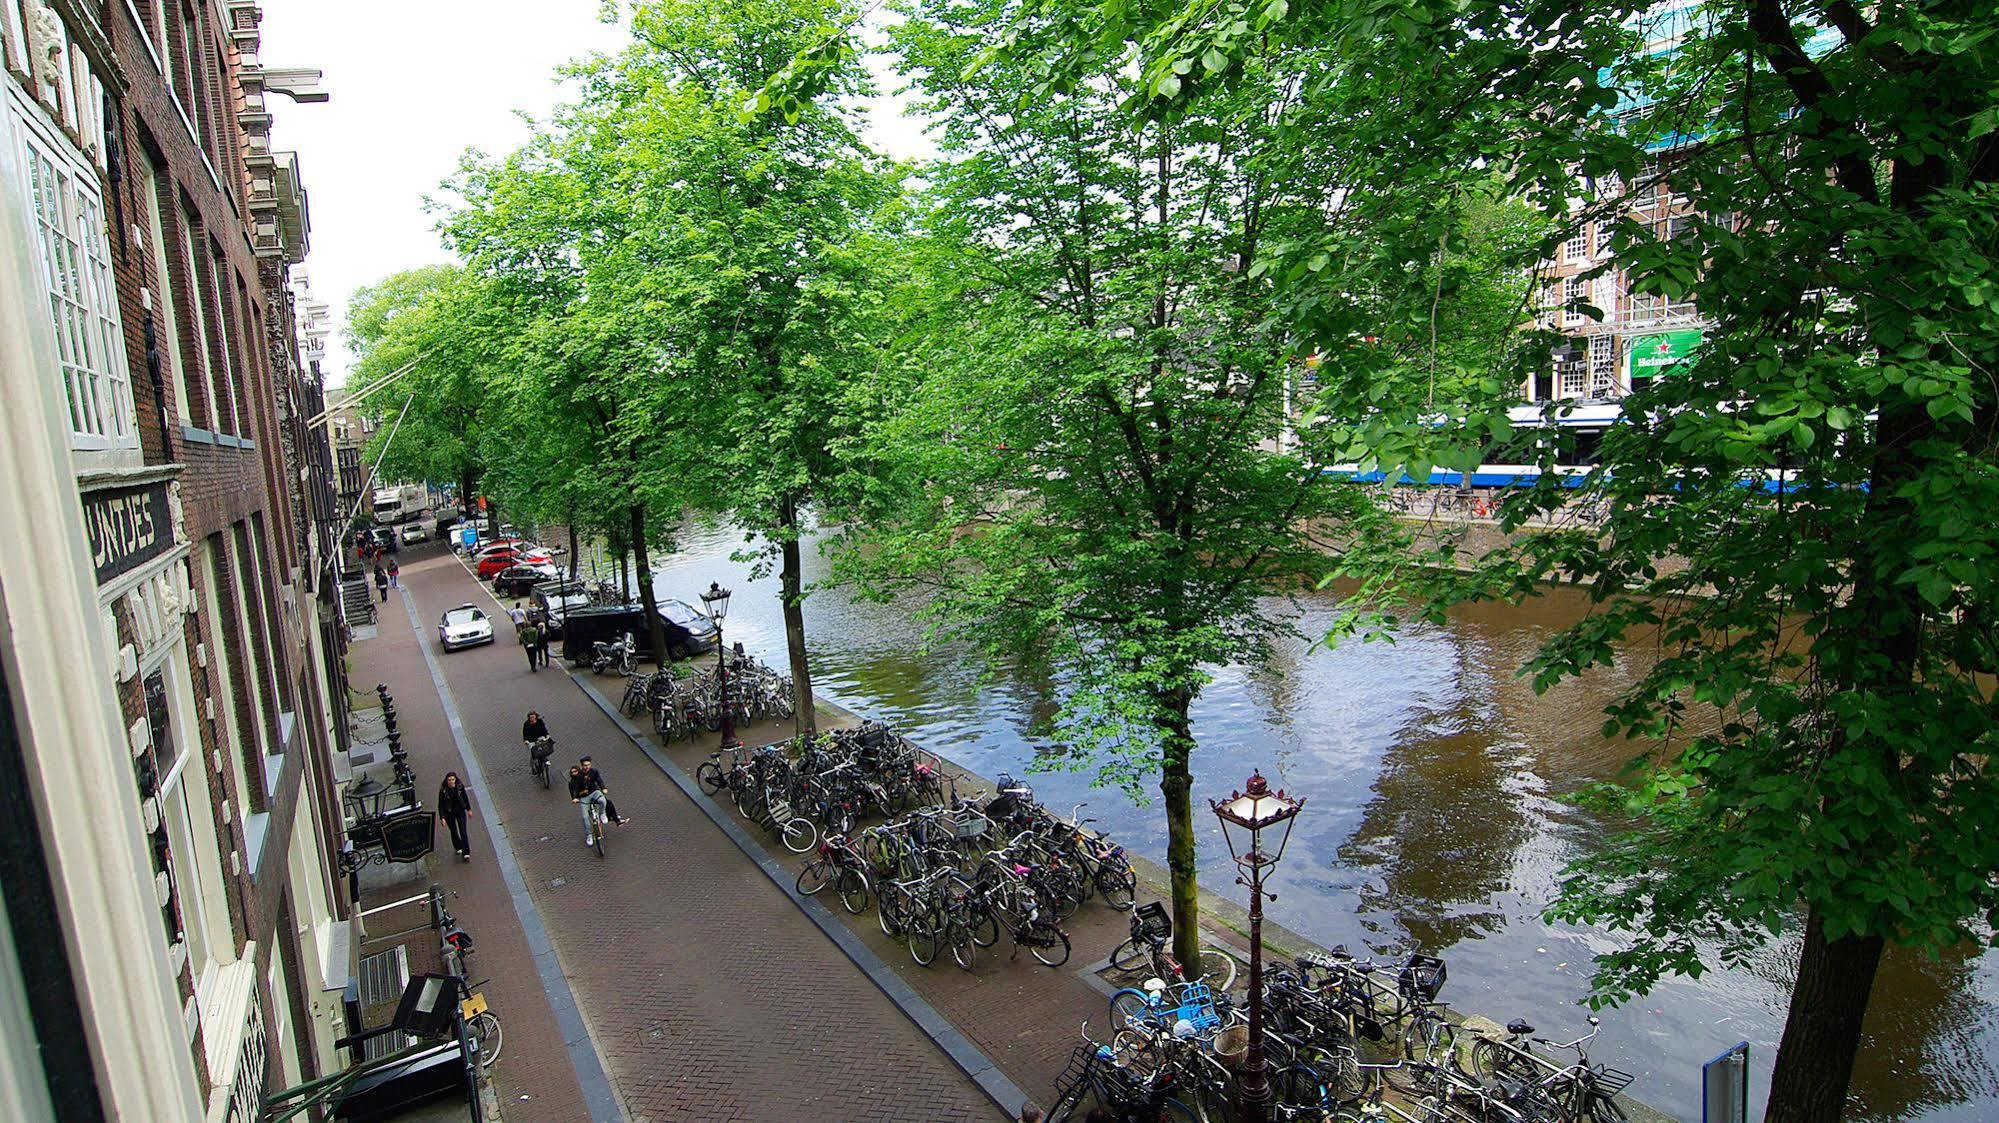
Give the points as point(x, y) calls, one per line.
point(160, 231)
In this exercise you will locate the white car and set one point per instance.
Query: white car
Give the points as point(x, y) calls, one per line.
point(413, 532)
point(464, 626)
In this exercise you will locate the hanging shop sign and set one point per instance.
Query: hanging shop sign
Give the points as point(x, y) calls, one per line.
point(1660, 352)
point(127, 528)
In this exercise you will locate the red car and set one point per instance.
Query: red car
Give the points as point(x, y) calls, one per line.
point(493, 563)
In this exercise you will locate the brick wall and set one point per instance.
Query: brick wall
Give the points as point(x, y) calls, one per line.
point(237, 476)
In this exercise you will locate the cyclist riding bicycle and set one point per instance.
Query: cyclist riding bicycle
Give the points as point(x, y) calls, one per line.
point(585, 784)
point(534, 734)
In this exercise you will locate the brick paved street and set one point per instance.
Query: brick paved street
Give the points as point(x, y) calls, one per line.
point(534, 1079)
point(709, 995)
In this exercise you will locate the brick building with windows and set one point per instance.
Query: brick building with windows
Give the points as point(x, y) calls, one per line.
point(173, 699)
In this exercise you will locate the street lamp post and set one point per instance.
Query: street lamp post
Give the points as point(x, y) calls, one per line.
point(717, 601)
point(1245, 816)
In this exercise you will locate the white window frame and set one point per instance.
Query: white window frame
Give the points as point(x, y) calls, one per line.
point(1577, 247)
point(213, 263)
point(166, 333)
point(1574, 290)
point(194, 262)
point(13, 36)
point(74, 252)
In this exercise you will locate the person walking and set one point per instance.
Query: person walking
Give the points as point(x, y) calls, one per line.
point(541, 636)
point(382, 581)
point(454, 801)
point(395, 575)
point(531, 640)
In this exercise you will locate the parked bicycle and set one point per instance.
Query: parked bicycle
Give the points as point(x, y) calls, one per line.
point(1147, 948)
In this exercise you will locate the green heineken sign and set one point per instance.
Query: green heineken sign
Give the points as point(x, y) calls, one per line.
point(1659, 352)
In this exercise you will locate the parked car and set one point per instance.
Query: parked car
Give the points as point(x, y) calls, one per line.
point(384, 538)
point(494, 562)
point(518, 580)
point(413, 532)
point(464, 626)
point(689, 631)
point(557, 599)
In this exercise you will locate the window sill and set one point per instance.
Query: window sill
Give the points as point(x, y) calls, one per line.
point(256, 830)
point(198, 436)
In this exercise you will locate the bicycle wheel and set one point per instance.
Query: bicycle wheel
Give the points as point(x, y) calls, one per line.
point(1048, 944)
point(1339, 1069)
point(812, 878)
point(1488, 1059)
point(924, 939)
point(486, 1037)
point(597, 837)
point(709, 775)
point(1131, 1009)
point(1428, 1040)
point(799, 834)
point(1297, 1086)
point(889, 912)
point(1217, 968)
point(985, 927)
point(1118, 886)
point(853, 889)
point(1604, 1109)
point(543, 772)
point(1130, 956)
point(964, 949)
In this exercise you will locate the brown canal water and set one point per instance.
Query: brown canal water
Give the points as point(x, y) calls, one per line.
point(1435, 821)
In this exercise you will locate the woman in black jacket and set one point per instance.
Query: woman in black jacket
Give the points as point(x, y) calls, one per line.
point(454, 800)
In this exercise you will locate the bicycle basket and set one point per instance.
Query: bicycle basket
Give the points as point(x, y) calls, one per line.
point(1610, 1081)
point(1153, 922)
point(1421, 976)
point(967, 825)
point(1082, 1060)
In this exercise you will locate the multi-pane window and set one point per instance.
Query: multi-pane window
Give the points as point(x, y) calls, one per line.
point(223, 326)
point(166, 330)
point(1645, 310)
point(1571, 373)
point(214, 382)
point(83, 304)
point(1572, 297)
point(1577, 247)
point(1602, 365)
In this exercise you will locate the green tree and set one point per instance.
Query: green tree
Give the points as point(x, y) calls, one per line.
point(1803, 516)
point(437, 318)
point(752, 268)
point(1096, 452)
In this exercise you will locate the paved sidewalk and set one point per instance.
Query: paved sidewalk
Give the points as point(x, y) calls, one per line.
point(708, 994)
point(534, 1079)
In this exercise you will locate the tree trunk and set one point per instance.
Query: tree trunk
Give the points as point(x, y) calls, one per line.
point(468, 482)
point(642, 573)
point(791, 586)
point(572, 546)
point(1822, 1032)
point(1176, 785)
point(624, 575)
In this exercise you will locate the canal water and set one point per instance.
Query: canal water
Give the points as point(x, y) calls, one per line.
point(1434, 820)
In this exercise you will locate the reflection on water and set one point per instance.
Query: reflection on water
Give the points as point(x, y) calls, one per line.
point(1433, 776)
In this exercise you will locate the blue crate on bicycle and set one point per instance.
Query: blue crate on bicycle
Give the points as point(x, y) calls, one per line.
point(1197, 1007)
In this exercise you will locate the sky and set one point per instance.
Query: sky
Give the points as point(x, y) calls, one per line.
point(414, 83)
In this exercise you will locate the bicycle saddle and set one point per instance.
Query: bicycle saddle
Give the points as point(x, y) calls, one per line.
point(1519, 1028)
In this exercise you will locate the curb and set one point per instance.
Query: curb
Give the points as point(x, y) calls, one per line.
point(598, 1094)
point(1005, 1094)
